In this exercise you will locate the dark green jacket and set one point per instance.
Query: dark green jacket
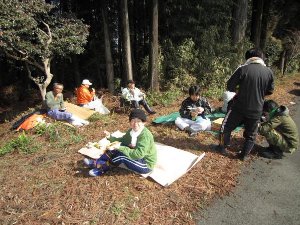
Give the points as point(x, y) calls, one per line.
point(145, 147)
point(284, 124)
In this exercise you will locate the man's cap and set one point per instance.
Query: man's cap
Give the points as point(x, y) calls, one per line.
point(130, 82)
point(86, 81)
point(137, 114)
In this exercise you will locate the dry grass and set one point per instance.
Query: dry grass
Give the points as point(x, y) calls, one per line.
point(51, 185)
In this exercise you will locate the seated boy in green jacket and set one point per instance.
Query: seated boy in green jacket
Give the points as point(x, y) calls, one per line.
point(279, 129)
point(137, 151)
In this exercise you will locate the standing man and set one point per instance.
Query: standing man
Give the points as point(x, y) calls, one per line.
point(251, 82)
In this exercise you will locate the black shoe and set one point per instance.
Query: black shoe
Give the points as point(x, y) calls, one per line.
point(152, 112)
point(222, 150)
point(241, 156)
point(271, 153)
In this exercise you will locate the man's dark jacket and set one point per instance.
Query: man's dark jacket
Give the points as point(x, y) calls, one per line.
point(251, 82)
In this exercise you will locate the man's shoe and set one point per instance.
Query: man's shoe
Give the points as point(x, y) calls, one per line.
point(89, 162)
point(271, 154)
point(221, 149)
point(152, 112)
point(241, 156)
point(224, 151)
point(96, 172)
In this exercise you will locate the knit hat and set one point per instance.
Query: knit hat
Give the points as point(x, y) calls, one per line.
point(137, 114)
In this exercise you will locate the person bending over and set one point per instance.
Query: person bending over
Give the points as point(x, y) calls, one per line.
point(279, 129)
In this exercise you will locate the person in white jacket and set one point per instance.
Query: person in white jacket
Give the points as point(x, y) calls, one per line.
point(135, 97)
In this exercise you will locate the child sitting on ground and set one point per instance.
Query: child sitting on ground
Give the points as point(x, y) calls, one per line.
point(192, 113)
point(137, 151)
point(279, 129)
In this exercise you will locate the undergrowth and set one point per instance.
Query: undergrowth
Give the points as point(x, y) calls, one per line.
point(58, 135)
point(22, 143)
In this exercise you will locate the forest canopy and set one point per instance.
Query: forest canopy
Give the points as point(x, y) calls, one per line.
point(160, 44)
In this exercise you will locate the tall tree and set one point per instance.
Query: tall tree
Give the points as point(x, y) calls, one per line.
point(153, 57)
point(239, 20)
point(108, 57)
point(34, 33)
point(265, 23)
point(126, 40)
point(257, 14)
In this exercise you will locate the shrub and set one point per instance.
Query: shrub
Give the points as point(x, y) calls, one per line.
point(163, 98)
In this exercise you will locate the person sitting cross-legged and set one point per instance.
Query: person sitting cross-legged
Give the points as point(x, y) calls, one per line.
point(137, 151)
point(279, 129)
point(135, 97)
point(192, 113)
point(54, 102)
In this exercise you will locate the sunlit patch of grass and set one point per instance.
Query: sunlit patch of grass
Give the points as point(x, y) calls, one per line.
point(22, 143)
point(117, 208)
point(95, 117)
point(58, 134)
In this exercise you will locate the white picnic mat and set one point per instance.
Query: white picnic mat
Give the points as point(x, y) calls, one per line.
point(172, 163)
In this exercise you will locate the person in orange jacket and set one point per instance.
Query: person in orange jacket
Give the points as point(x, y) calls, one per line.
point(87, 98)
point(84, 94)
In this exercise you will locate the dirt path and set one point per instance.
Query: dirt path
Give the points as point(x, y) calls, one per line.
point(268, 193)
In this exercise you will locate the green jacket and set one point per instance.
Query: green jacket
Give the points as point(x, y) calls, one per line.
point(51, 103)
point(284, 124)
point(145, 147)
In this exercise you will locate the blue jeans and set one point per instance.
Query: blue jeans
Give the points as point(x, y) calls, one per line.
point(59, 115)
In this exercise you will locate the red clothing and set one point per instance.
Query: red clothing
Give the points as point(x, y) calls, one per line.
point(84, 95)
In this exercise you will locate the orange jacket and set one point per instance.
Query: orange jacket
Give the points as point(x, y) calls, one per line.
point(84, 96)
point(31, 122)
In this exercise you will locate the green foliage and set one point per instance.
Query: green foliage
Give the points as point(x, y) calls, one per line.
point(144, 68)
point(273, 50)
point(163, 98)
point(95, 117)
point(180, 63)
point(31, 29)
point(58, 134)
point(117, 208)
point(22, 143)
point(35, 32)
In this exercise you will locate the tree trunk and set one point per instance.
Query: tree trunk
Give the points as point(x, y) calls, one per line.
point(265, 23)
point(153, 58)
point(76, 70)
point(126, 41)
point(42, 84)
point(283, 62)
point(108, 58)
point(257, 12)
point(239, 23)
